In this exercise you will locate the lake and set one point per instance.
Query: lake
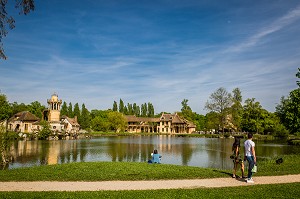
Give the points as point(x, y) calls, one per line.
point(199, 152)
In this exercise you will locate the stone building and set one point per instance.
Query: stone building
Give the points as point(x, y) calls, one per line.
point(166, 123)
point(26, 122)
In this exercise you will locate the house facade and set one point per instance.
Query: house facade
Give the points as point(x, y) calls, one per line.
point(166, 123)
point(26, 122)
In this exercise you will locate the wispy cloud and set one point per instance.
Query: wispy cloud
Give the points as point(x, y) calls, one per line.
point(275, 26)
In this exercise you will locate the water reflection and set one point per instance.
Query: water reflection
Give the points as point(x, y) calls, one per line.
point(202, 152)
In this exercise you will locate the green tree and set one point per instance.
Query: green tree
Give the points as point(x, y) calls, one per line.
point(64, 109)
point(115, 106)
point(130, 109)
point(200, 122)
point(5, 109)
point(186, 110)
point(25, 6)
point(150, 110)
point(100, 124)
point(70, 110)
point(36, 108)
point(212, 121)
point(220, 102)
point(85, 118)
point(252, 116)
point(45, 131)
point(121, 106)
point(16, 108)
point(237, 108)
point(125, 112)
point(76, 111)
point(144, 110)
point(272, 125)
point(289, 111)
point(117, 121)
point(136, 109)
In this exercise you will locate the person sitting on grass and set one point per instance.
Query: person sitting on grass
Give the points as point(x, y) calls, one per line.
point(156, 157)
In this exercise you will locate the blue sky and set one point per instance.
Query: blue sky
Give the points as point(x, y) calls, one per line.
point(160, 51)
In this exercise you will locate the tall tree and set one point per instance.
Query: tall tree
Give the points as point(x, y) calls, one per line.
point(121, 106)
point(252, 116)
point(125, 110)
point(85, 118)
point(138, 111)
point(130, 109)
point(220, 102)
point(25, 6)
point(115, 106)
point(186, 110)
point(77, 111)
point(144, 110)
point(64, 109)
point(237, 108)
point(70, 110)
point(150, 110)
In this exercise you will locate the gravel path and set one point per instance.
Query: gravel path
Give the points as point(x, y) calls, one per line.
point(143, 185)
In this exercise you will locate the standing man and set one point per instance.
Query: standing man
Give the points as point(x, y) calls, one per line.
point(250, 156)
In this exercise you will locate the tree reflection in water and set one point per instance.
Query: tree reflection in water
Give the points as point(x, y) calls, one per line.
point(202, 152)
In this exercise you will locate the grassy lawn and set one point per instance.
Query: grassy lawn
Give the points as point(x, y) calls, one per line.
point(291, 190)
point(103, 171)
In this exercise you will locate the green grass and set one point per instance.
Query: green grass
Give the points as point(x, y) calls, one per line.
point(105, 171)
point(291, 190)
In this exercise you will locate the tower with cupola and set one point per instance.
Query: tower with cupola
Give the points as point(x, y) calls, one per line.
point(54, 108)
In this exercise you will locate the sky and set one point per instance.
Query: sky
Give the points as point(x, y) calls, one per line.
point(159, 51)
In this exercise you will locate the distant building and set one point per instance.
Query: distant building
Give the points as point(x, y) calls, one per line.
point(166, 123)
point(24, 122)
point(27, 122)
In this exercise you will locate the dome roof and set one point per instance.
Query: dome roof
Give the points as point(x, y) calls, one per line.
point(54, 97)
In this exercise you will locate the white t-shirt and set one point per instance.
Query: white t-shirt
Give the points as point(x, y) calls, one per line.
point(248, 145)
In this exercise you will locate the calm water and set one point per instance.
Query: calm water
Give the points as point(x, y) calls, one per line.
point(200, 152)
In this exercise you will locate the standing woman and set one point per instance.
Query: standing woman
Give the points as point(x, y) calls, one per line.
point(237, 160)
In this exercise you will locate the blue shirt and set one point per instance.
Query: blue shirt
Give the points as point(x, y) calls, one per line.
point(156, 158)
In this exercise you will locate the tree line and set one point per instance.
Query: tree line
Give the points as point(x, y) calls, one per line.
point(225, 113)
point(145, 110)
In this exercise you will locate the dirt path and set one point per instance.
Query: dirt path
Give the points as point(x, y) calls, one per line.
point(142, 185)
